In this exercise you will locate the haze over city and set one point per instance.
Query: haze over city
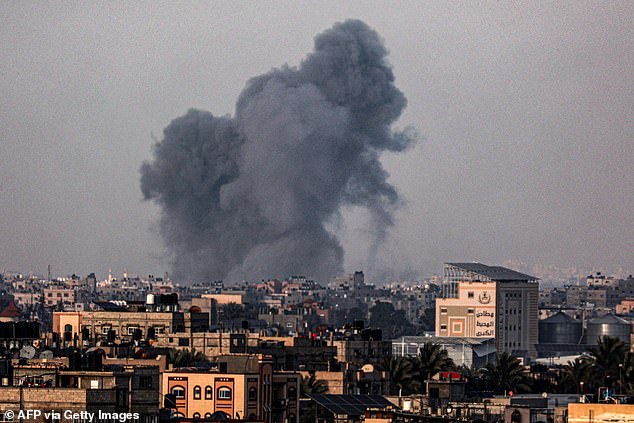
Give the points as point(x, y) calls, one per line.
point(523, 115)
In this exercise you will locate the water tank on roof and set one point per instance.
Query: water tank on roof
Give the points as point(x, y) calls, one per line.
point(560, 329)
point(608, 325)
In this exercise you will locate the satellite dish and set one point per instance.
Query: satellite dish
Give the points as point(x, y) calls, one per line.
point(367, 368)
point(47, 354)
point(27, 352)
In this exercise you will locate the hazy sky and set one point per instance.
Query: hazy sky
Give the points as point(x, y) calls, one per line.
point(525, 111)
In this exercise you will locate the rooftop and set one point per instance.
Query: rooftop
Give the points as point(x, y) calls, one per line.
point(494, 273)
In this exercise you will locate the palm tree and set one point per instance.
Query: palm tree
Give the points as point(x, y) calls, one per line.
point(474, 377)
point(311, 385)
point(186, 358)
point(627, 375)
point(507, 374)
point(232, 311)
point(431, 359)
point(605, 359)
point(575, 375)
point(401, 373)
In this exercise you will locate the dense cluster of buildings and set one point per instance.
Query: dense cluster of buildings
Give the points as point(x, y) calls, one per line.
point(146, 345)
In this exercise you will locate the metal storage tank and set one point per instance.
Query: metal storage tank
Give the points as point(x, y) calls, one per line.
point(608, 325)
point(560, 329)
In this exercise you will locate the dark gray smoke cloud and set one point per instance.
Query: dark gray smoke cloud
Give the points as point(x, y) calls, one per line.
point(249, 196)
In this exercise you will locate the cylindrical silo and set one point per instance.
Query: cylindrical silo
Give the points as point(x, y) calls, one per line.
point(560, 329)
point(608, 325)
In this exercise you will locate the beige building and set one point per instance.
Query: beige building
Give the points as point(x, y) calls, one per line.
point(240, 386)
point(600, 413)
point(483, 301)
point(49, 386)
point(54, 295)
point(471, 314)
point(122, 325)
point(225, 298)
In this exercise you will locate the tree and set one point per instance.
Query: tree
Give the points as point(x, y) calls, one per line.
point(186, 358)
point(401, 372)
point(431, 359)
point(474, 377)
point(605, 359)
point(627, 375)
point(576, 374)
point(507, 374)
point(232, 311)
point(311, 385)
point(392, 322)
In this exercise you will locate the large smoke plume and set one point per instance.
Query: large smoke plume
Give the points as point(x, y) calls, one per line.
point(249, 196)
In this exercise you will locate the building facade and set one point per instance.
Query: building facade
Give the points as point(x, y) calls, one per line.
point(483, 301)
point(236, 387)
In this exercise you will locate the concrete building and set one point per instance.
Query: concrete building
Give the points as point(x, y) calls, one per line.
point(469, 352)
point(490, 302)
point(236, 387)
point(124, 325)
point(53, 386)
point(54, 295)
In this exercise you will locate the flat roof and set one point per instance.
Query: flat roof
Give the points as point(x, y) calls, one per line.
point(350, 405)
point(496, 273)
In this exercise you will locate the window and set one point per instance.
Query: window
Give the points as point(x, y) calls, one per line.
point(207, 415)
point(68, 328)
point(224, 393)
point(196, 392)
point(443, 310)
point(253, 394)
point(122, 397)
point(131, 329)
point(196, 415)
point(292, 393)
point(470, 294)
point(470, 311)
point(145, 382)
point(105, 329)
point(443, 327)
point(178, 392)
point(209, 393)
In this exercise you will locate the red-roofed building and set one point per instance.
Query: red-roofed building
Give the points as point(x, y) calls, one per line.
point(9, 312)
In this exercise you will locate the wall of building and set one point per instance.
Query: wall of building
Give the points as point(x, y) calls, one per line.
point(471, 314)
point(600, 413)
point(517, 318)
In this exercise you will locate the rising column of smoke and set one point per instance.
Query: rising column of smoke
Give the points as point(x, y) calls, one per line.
point(248, 197)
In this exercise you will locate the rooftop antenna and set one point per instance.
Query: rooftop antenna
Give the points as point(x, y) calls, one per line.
point(49, 272)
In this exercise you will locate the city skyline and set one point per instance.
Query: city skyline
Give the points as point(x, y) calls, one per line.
point(523, 113)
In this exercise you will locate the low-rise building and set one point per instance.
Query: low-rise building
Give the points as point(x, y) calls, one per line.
point(234, 387)
point(108, 391)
